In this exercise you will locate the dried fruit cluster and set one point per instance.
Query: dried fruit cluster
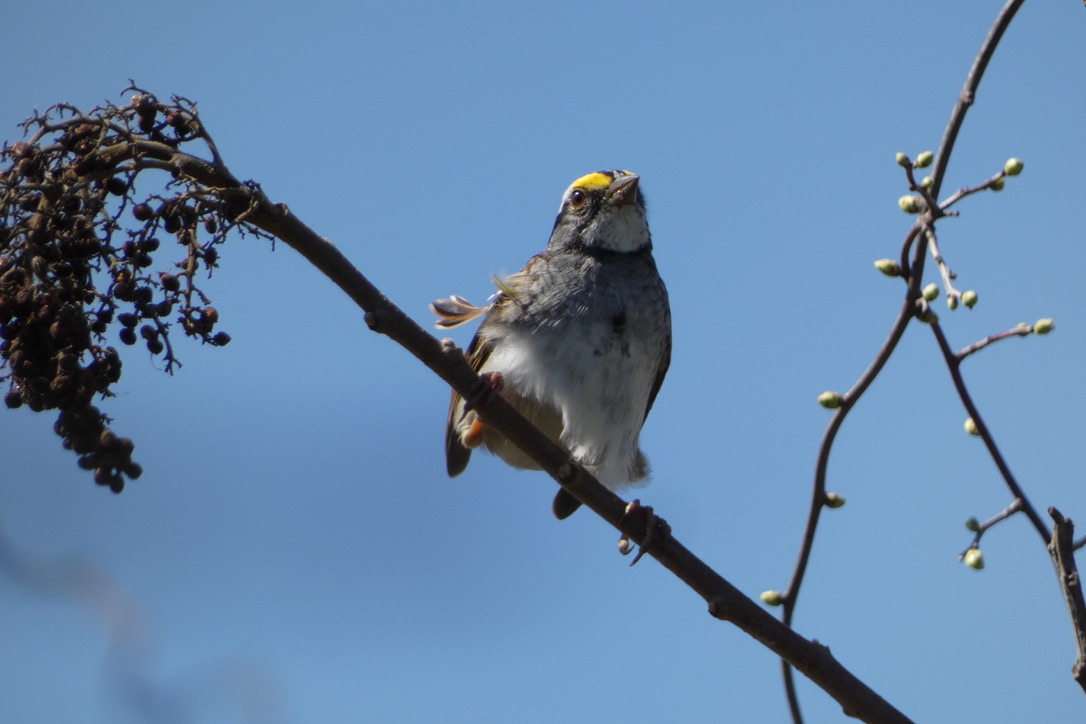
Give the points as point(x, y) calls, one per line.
point(78, 255)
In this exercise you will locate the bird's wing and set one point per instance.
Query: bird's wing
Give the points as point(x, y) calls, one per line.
point(457, 454)
point(661, 372)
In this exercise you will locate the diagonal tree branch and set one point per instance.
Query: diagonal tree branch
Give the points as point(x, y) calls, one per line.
point(70, 166)
point(59, 220)
point(725, 601)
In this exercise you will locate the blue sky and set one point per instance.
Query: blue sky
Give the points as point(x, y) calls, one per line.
point(294, 543)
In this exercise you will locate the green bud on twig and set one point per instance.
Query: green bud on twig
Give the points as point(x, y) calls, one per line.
point(833, 500)
point(830, 400)
point(1013, 167)
point(1044, 326)
point(902, 160)
point(909, 204)
point(930, 292)
point(972, 524)
point(974, 558)
point(889, 267)
point(969, 298)
point(924, 159)
point(997, 185)
point(927, 182)
point(771, 598)
point(971, 426)
point(952, 301)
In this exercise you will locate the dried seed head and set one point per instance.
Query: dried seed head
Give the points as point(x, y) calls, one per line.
point(170, 282)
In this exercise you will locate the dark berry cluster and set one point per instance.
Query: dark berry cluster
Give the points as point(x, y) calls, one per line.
point(79, 262)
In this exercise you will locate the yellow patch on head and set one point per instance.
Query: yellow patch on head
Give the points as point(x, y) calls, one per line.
point(592, 181)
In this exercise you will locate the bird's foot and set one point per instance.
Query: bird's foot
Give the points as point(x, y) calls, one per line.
point(656, 529)
point(489, 383)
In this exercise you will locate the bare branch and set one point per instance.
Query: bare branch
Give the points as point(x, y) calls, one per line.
point(1061, 548)
point(918, 237)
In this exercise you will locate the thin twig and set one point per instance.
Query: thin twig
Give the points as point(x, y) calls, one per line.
point(970, 190)
point(790, 597)
point(1021, 330)
point(818, 496)
point(953, 363)
point(945, 271)
point(982, 528)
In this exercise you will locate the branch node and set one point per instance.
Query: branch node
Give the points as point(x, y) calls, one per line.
point(718, 608)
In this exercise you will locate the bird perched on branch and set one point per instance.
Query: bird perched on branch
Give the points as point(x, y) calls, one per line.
point(578, 341)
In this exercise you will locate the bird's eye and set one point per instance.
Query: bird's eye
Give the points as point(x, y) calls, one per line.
point(577, 198)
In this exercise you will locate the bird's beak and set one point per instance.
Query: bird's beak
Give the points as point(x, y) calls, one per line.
point(623, 190)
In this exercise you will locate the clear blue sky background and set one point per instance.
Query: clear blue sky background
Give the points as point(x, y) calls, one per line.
point(294, 543)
